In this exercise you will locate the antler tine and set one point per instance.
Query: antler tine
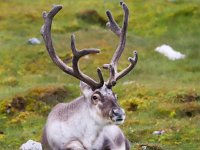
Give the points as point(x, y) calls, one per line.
point(133, 62)
point(46, 33)
point(112, 24)
point(76, 56)
point(121, 32)
point(74, 71)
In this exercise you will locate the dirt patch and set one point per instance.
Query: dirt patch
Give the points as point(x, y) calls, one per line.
point(132, 107)
point(49, 95)
point(39, 100)
point(188, 97)
point(188, 11)
point(18, 103)
point(188, 110)
point(92, 17)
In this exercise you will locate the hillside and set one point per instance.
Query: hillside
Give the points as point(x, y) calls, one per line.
point(159, 94)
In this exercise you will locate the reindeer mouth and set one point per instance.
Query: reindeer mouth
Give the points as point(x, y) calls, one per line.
point(118, 120)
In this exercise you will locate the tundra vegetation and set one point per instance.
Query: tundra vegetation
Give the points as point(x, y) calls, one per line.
point(159, 95)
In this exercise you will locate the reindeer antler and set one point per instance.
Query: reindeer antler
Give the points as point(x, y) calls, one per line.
point(74, 70)
point(121, 32)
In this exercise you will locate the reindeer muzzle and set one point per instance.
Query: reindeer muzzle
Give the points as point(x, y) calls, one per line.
point(117, 115)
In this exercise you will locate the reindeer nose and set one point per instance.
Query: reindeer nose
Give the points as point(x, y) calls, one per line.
point(117, 115)
point(117, 112)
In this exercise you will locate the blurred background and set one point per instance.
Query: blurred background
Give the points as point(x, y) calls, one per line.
point(161, 96)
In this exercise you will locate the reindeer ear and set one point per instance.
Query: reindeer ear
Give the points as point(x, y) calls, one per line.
point(85, 89)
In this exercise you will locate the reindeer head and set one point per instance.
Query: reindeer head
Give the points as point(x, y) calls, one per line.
point(103, 104)
point(99, 95)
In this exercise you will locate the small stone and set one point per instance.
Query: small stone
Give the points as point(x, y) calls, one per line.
point(144, 147)
point(34, 41)
point(160, 132)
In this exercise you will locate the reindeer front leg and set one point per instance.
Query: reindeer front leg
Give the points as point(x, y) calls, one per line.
point(111, 138)
point(75, 145)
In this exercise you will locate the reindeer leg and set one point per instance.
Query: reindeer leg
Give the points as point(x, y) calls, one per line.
point(127, 144)
point(75, 145)
point(111, 138)
point(107, 145)
point(45, 143)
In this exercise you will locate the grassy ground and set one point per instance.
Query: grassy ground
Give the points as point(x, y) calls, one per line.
point(159, 95)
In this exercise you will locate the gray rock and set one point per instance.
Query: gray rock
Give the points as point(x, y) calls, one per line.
point(169, 52)
point(31, 145)
point(160, 132)
point(34, 41)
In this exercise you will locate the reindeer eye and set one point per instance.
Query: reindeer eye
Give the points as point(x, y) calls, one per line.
point(95, 97)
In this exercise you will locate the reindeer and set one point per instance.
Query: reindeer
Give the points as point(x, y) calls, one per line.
point(90, 122)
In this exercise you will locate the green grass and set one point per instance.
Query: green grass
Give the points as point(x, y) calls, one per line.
point(156, 95)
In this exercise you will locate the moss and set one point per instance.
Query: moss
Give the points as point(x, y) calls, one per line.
point(10, 81)
point(4, 106)
point(2, 137)
point(148, 147)
point(21, 117)
point(37, 106)
point(164, 110)
point(135, 103)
